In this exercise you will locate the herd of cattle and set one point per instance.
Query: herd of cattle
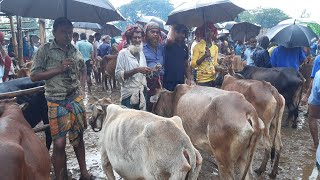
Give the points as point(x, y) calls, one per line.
point(227, 123)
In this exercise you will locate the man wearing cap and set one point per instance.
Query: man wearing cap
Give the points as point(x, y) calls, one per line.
point(153, 52)
point(131, 70)
point(176, 64)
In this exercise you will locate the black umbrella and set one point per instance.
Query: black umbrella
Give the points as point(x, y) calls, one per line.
point(111, 30)
point(143, 20)
point(292, 35)
point(244, 31)
point(195, 13)
point(99, 11)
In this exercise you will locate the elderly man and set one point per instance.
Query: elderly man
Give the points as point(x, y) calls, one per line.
point(153, 51)
point(59, 64)
point(131, 69)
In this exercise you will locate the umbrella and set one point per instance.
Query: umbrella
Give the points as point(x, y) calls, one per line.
point(99, 11)
point(244, 31)
point(195, 13)
point(314, 25)
point(87, 25)
point(143, 20)
point(111, 30)
point(228, 25)
point(292, 35)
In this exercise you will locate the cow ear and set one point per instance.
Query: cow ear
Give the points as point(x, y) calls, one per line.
point(99, 107)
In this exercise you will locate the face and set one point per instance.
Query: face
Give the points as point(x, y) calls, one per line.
point(136, 38)
point(180, 36)
point(98, 37)
point(253, 43)
point(63, 34)
point(153, 36)
point(91, 38)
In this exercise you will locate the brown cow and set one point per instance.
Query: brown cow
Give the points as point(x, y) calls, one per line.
point(22, 154)
point(109, 63)
point(306, 69)
point(269, 105)
point(219, 122)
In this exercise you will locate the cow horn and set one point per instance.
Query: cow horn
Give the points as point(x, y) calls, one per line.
point(21, 92)
point(95, 98)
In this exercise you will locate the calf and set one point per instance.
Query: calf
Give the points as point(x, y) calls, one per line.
point(269, 105)
point(23, 155)
point(141, 145)
point(287, 81)
point(109, 63)
point(37, 109)
point(219, 122)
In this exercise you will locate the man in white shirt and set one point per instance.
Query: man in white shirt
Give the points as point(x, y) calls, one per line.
point(131, 69)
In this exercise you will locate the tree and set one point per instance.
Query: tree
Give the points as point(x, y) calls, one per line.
point(266, 17)
point(136, 8)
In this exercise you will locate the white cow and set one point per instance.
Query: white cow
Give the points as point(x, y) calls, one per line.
point(141, 145)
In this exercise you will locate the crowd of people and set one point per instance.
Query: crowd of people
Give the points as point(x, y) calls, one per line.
point(147, 61)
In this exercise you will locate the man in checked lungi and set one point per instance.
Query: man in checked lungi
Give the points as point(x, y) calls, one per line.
point(59, 63)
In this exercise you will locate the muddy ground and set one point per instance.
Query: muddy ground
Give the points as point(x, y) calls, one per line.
point(296, 162)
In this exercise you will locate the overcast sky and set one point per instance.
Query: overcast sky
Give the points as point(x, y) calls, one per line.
point(293, 8)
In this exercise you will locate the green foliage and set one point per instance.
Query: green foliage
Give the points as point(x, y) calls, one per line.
point(266, 17)
point(136, 8)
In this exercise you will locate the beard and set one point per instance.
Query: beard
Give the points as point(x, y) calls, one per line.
point(135, 49)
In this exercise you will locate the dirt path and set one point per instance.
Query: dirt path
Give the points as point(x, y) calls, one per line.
point(296, 161)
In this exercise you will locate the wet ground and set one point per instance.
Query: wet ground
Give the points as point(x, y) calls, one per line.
point(296, 162)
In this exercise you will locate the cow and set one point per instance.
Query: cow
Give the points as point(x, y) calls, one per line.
point(37, 109)
point(287, 81)
point(109, 63)
point(141, 145)
point(306, 69)
point(222, 123)
point(269, 105)
point(23, 155)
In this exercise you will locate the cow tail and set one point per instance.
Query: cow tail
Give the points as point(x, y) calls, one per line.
point(278, 117)
point(193, 155)
point(257, 126)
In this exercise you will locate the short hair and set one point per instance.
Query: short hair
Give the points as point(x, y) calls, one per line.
point(264, 42)
point(90, 36)
point(97, 34)
point(61, 21)
point(181, 28)
point(75, 34)
point(83, 36)
point(136, 28)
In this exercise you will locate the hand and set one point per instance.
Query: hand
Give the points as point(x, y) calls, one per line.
point(207, 52)
point(67, 64)
point(144, 70)
point(188, 81)
point(304, 101)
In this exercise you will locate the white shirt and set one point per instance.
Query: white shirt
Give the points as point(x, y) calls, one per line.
point(126, 62)
point(1, 72)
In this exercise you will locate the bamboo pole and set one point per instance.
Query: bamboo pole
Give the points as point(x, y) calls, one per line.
point(14, 38)
point(20, 48)
point(42, 29)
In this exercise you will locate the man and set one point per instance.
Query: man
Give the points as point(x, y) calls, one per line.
point(59, 64)
point(91, 39)
point(153, 52)
point(131, 69)
point(105, 47)
point(260, 56)
point(176, 64)
point(205, 56)
point(97, 58)
point(287, 57)
point(315, 69)
point(96, 43)
point(75, 38)
point(86, 50)
point(248, 52)
point(5, 61)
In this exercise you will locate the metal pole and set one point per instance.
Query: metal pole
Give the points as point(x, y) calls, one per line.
point(20, 48)
point(14, 38)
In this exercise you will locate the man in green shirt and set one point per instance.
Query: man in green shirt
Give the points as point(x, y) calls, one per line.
point(59, 63)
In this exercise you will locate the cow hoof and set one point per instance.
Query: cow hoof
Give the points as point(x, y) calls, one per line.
point(272, 176)
point(258, 171)
point(294, 126)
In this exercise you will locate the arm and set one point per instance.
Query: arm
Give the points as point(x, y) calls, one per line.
point(188, 73)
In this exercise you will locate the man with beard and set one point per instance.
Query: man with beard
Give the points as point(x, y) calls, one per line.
point(176, 64)
point(153, 51)
point(131, 69)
